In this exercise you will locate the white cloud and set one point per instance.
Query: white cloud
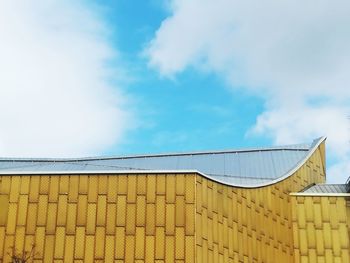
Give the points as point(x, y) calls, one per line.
point(56, 96)
point(295, 54)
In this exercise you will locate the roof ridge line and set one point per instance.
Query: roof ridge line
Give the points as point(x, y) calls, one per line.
point(247, 150)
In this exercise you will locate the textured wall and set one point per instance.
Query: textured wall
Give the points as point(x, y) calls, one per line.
point(149, 218)
point(135, 218)
point(321, 229)
point(250, 225)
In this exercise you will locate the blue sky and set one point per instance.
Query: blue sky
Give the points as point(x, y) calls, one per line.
point(117, 77)
point(193, 111)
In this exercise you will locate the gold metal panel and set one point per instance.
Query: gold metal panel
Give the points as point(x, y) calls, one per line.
point(170, 219)
point(109, 249)
point(180, 184)
point(4, 204)
point(25, 183)
point(34, 188)
point(54, 188)
point(141, 210)
point(129, 249)
point(180, 210)
point(2, 240)
point(64, 184)
point(151, 189)
point(82, 210)
point(170, 189)
point(31, 218)
point(121, 210)
point(169, 248)
point(344, 236)
point(93, 189)
point(110, 218)
point(15, 188)
point(119, 242)
point(69, 249)
point(327, 235)
point(19, 238)
point(112, 188)
point(79, 243)
point(180, 243)
point(190, 219)
point(102, 184)
point(71, 218)
point(160, 243)
point(101, 210)
point(311, 235)
point(83, 184)
point(49, 248)
point(11, 219)
point(62, 210)
point(141, 184)
point(336, 243)
point(318, 215)
point(39, 242)
point(44, 184)
point(5, 184)
point(131, 195)
point(73, 189)
point(325, 209)
point(160, 210)
point(149, 249)
point(8, 246)
point(51, 218)
point(122, 184)
point(140, 243)
point(130, 219)
point(100, 242)
point(28, 242)
point(161, 184)
point(42, 210)
point(89, 248)
point(150, 219)
point(190, 248)
point(91, 219)
point(59, 242)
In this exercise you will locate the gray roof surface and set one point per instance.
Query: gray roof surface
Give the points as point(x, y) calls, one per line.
point(235, 167)
point(327, 189)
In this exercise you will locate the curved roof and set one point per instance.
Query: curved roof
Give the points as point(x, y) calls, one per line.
point(242, 168)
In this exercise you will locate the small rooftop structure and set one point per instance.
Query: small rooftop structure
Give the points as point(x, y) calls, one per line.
point(327, 189)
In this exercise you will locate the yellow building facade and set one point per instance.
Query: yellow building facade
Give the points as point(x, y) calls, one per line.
point(321, 227)
point(157, 215)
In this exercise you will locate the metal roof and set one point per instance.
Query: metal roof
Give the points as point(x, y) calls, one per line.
point(245, 168)
point(327, 189)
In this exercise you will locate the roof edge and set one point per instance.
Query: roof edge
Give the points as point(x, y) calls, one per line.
point(314, 146)
point(316, 143)
point(292, 147)
point(321, 194)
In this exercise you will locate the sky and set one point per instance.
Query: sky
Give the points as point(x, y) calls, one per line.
point(112, 77)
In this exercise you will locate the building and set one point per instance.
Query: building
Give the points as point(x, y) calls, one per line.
point(254, 205)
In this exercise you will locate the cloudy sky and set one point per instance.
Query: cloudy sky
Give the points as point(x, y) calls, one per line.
point(79, 78)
